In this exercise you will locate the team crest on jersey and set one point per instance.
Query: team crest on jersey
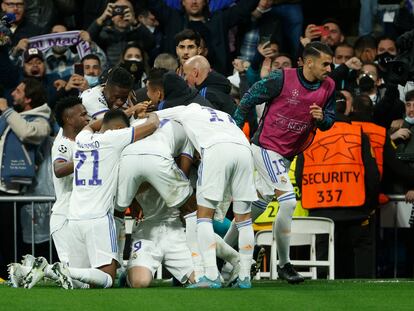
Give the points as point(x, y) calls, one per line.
point(283, 180)
point(63, 149)
point(295, 93)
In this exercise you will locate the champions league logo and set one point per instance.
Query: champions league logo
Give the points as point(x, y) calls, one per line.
point(293, 99)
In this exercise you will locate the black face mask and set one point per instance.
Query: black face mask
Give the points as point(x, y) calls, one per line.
point(366, 84)
point(136, 68)
point(384, 58)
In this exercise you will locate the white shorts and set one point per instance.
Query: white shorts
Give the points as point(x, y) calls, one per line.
point(162, 173)
point(60, 236)
point(272, 172)
point(165, 243)
point(225, 173)
point(93, 242)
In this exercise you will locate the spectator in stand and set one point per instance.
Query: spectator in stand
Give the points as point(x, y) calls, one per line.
point(187, 45)
point(116, 27)
point(213, 27)
point(135, 60)
point(369, 82)
point(21, 28)
point(24, 127)
point(147, 19)
point(386, 51)
point(366, 49)
point(332, 34)
point(77, 83)
point(346, 67)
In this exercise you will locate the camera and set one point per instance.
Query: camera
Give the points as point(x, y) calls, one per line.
point(119, 10)
point(401, 68)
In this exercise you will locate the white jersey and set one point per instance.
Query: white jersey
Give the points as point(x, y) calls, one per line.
point(94, 101)
point(169, 140)
point(154, 208)
point(205, 126)
point(96, 161)
point(62, 149)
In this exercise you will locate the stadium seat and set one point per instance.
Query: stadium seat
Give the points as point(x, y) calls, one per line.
point(304, 231)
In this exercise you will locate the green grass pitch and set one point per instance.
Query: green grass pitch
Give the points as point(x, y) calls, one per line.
point(265, 295)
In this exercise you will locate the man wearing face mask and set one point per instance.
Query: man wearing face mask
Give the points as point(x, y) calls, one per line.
point(386, 51)
point(77, 83)
point(403, 137)
point(369, 81)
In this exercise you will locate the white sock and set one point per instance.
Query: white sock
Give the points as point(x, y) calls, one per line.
point(246, 246)
point(232, 235)
point(91, 276)
point(257, 208)
point(49, 273)
point(120, 234)
point(207, 245)
point(191, 235)
point(226, 252)
point(287, 204)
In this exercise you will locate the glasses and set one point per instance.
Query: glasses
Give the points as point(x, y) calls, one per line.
point(18, 5)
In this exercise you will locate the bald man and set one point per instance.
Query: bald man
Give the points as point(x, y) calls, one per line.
point(210, 84)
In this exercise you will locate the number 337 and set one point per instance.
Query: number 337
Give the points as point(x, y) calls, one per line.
point(329, 196)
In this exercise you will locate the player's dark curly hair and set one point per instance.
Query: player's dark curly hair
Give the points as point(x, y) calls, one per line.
point(120, 77)
point(116, 114)
point(63, 104)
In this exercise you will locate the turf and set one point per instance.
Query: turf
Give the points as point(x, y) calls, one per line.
point(266, 295)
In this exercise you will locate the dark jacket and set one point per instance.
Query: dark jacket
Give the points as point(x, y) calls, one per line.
point(113, 41)
point(389, 108)
point(216, 88)
point(395, 170)
point(217, 24)
point(25, 30)
point(178, 93)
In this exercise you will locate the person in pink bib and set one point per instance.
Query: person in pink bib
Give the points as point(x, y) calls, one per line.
point(298, 101)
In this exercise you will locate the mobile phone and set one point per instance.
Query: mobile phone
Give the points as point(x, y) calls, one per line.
point(324, 31)
point(264, 39)
point(119, 10)
point(78, 69)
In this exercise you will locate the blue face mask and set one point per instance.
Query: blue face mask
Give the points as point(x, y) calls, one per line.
point(92, 80)
point(409, 120)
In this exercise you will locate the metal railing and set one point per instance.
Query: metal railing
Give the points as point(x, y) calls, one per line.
point(32, 200)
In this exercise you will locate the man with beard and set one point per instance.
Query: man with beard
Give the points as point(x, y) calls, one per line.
point(22, 130)
point(34, 67)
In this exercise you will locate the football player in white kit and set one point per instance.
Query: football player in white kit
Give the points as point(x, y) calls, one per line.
point(111, 95)
point(96, 158)
point(72, 117)
point(225, 173)
point(160, 238)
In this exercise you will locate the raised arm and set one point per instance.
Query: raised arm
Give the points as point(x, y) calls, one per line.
point(261, 92)
point(143, 130)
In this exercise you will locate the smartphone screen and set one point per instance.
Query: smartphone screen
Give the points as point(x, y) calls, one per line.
point(78, 69)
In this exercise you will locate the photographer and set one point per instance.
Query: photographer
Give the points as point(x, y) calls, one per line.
point(116, 27)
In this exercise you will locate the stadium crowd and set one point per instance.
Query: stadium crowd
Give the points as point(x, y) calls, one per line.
point(68, 68)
